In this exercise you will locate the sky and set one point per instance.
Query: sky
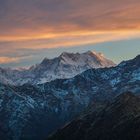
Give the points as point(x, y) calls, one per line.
point(33, 29)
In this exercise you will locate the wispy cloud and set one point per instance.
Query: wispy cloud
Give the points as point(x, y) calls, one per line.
point(8, 60)
point(67, 39)
point(4, 60)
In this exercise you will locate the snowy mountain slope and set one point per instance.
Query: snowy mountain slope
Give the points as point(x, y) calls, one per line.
point(67, 65)
point(34, 111)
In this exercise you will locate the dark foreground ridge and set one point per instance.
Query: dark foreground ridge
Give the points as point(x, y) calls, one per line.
point(119, 120)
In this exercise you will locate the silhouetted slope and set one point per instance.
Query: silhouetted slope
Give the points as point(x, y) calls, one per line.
point(119, 120)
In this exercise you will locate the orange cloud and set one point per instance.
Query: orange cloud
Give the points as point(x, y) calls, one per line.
point(69, 39)
point(73, 34)
point(5, 60)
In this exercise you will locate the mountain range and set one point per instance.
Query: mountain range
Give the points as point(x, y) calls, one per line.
point(33, 111)
point(67, 65)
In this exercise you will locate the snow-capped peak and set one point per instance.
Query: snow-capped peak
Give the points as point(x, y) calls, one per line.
point(95, 54)
point(66, 65)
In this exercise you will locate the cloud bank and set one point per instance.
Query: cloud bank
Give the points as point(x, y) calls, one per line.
point(40, 24)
